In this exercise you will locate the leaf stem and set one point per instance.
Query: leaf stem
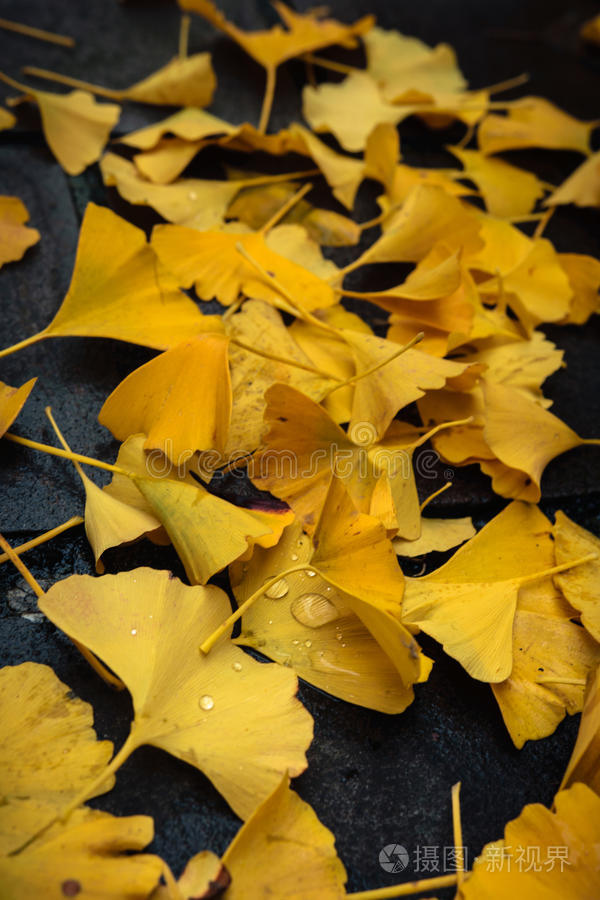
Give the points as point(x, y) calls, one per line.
point(329, 64)
point(56, 451)
point(21, 567)
point(435, 494)
point(555, 570)
point(269, 95)
point(28, 341)
point(72, 82)
point(184, 36)
point(406, 889)
point(459, 856)
point(417, 338)
point(38, 33)
point(43, 538)
point(283, 210)
point(210, 641)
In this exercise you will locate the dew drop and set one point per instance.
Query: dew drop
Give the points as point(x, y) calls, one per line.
point(134, 630)
point(193, 195)
point(313, 610)
point(236, 666)
point(295, 643)
point(206, 702)
point(310, 573)
point(308, 643)
point(278, 590)
point(339, 636)
point(294, 557)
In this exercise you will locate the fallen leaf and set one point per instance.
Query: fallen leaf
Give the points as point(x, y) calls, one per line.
point(507, 190)
point(189, 124)
point(181, 400)
point(118, 290)
point(582, 187)
point(48, 749)
point(12, 401)
point(15, 236)
point(583, 273)
point(7, 120)
point(583, 764)
point(216, 712)
point(580, 587)
point(304, 623)
point(566, 857)
point(534, 122)
point(436, 535)
point(89, 857)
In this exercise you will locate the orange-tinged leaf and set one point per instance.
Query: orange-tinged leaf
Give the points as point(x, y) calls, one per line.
point(15, 236)
point(507, 190)
point(216, 712)
point(181, 400)
point(48, 750)
point(534, 122)
point(583, 764)
point(306, 624)
point(306, 864)
point(581, 585)
point(469, 603)
point(118, 290)
point(270, 48)
point(89, 857)
point(571, 832)
point(75, 126)
point(12, 401)
point(552, 657)
point(210, 260)
point(582, 187)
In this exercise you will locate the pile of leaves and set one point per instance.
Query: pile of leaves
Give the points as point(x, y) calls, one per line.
point(323, 415)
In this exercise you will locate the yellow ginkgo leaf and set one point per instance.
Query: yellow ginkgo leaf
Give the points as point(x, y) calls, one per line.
point(216, 712)
point(189, 124)
point(259, 326)
point(552, 656)
point(306, 864)
point(7, 120)
point(109, 520)
point(436, 535)
point(15, 236)
point(211, 261)
point(12, 401)
point(507, 190)
point(306, 624)
point(187, 81)
point(181, 400)
point(407, 70)
point(207, 531)
point(194, 202)
point(524, 437)
point(534, 122)
point(48, 751)
point(89, 857)
point(583, 764)
point(583, 273)
point(565, 864)
point(75, 125)
point(582, 187)
point(350, 110)
point(119, 290)
point(469, 604)
point(255, 206)
point(581, 586)
point(305, 33)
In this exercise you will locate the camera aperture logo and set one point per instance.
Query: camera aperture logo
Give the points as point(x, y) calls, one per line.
point(393, 858)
